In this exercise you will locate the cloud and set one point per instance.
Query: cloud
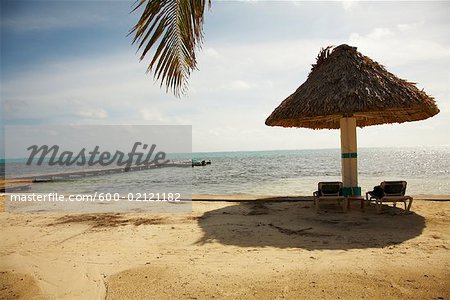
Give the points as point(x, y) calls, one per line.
point(410, 26)
point(398, 49)
point(93, 113)
point(379, 33)
point(63, 20)
point(152, 115)
point(239, 83)
point(349, 5)
point(75, 91)
point(246, 67)
point(375, 34)
point(211, 52)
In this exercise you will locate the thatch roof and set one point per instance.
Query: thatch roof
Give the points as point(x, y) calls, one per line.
point(344, 82)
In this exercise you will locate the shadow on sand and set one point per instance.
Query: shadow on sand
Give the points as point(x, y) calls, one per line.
point(297, 225)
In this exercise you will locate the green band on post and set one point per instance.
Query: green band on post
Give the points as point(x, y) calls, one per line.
point(349, 155)
point(351, 191)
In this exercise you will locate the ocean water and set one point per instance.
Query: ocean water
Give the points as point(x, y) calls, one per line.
point(427, 170)
point(277, 173)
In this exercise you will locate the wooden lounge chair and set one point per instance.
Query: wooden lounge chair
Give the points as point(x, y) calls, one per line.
point(329, 192)
point(390, 191)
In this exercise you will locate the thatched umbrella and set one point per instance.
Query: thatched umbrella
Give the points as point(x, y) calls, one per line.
point(346, 89)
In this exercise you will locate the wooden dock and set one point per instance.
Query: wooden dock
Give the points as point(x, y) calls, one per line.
point(14, 185)
point(64, 175)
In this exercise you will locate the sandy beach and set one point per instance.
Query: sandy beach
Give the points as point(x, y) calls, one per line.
point(116, 114)
point(239, 250)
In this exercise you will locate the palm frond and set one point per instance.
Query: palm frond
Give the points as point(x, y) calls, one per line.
point(175, 28)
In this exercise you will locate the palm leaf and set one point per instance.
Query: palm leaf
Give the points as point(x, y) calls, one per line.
point(175, 28)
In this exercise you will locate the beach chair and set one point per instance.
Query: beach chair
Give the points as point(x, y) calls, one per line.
point(329, 192)
point(390, 191)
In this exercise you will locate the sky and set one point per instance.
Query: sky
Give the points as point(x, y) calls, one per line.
point(71, 62)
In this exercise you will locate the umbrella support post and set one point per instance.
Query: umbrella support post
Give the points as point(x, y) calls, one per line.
point(349, 157)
